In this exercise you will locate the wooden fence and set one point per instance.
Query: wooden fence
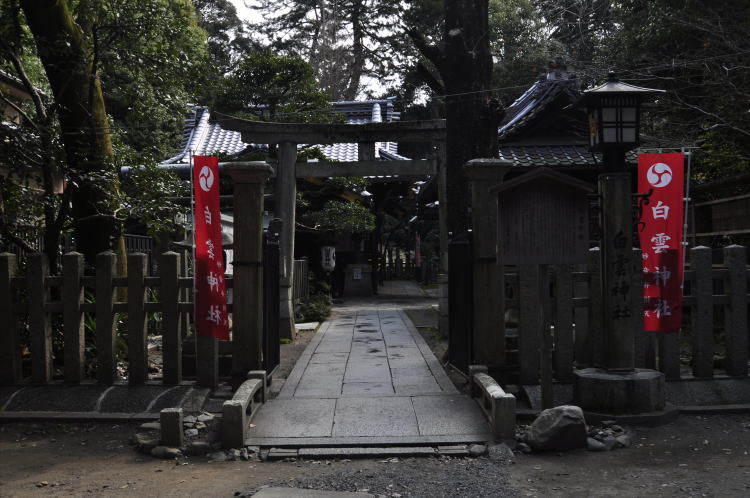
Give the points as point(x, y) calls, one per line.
point(33, 304)
point(714, 323)
point(301, 283)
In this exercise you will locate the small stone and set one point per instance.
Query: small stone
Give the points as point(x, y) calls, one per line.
point(523, 448)
point(244, 455)
point(189, 419)
point(150, 426)
point(191, 432)
point(609, 442)
point(234, 455)
point(595, 445)
point(200, 425)
point(608, 423)
point(218, 456)
point(617, 428)
point(188, 425)
point(253, 449)
point(623, 441)
point(477, 450)
point(165, 452)
point(197, 448)
point(42, 484)
point(205, 417)
point(558, 429)
point(501, 453)
point(144, 443)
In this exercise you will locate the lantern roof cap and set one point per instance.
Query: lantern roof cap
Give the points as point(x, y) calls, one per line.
point(614, 85)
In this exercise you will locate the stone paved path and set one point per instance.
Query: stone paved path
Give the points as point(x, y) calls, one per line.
point(368, 377)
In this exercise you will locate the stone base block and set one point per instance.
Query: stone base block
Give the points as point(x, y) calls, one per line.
point(171, 427)
point(639, 391)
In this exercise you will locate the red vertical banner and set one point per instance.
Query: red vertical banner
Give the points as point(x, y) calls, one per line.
point(211, 315)
point(660, 234)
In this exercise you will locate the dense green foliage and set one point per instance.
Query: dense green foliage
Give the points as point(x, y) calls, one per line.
point(274, 88)
point(344, 217)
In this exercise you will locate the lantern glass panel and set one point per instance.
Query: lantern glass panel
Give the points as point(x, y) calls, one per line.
point(610, 135)
point(609, 115)
point(628, 134)
point(628, 114)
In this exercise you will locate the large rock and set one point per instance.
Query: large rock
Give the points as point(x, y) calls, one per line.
point(561, 428)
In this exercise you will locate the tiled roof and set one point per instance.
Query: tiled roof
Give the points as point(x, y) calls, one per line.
point(554, 155)
point(546, 155)
point(205, 138)
point(529, 105)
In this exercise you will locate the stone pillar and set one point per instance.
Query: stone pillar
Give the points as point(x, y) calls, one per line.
point(285, 196)
point(616, 386)
point(247, 323)
point(489, 278)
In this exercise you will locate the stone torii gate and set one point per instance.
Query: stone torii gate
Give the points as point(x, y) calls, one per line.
point(289, 135)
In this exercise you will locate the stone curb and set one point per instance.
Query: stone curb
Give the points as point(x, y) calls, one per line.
point(238, 411)
point(77, 417)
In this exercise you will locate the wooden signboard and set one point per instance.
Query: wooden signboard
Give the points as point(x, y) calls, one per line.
point(542, 218)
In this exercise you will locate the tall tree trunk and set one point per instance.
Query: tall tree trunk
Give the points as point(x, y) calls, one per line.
point(471, 117)
point(357, 62)
point(68, 61)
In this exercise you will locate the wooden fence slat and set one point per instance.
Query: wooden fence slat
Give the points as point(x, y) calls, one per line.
point(669, 354)
point(137, 326)
point(735, 261)
point(528, 324)
point(40, 331)
point(169, 295)
point(640, 337)
point(563, 353)
point(106, 370)
point(73, 329)
point(702, 312)
point(10, 354)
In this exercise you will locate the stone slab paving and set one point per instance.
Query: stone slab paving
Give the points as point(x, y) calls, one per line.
point(367, 377)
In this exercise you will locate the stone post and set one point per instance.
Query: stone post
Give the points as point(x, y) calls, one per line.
point(247, 308)
point(616, 386)
point(489, 279)
point(285, 197)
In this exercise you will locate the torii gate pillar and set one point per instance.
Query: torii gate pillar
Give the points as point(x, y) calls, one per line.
point(285, 196)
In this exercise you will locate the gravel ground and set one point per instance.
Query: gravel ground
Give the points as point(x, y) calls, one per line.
point(423, 477)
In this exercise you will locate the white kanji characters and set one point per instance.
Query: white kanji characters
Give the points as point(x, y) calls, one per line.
point(660, 211)
point(207, 215)
point(214, 314)
point(212, 281)
point(644, 256)
point(661, 242)
point(210, 249)
point(662, 308)
point(661, 275)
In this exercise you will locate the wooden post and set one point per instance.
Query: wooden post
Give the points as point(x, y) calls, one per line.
point(137, 326)
point(545, 341)
point(74, 333)
point(10, 354)
point(735, 261)
point(40, 331)
point(528, 324)
point(702, 312)
point(106, 371)
point(285, 198)
point(169, 295)
point(247, 331)
point(563, 359)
